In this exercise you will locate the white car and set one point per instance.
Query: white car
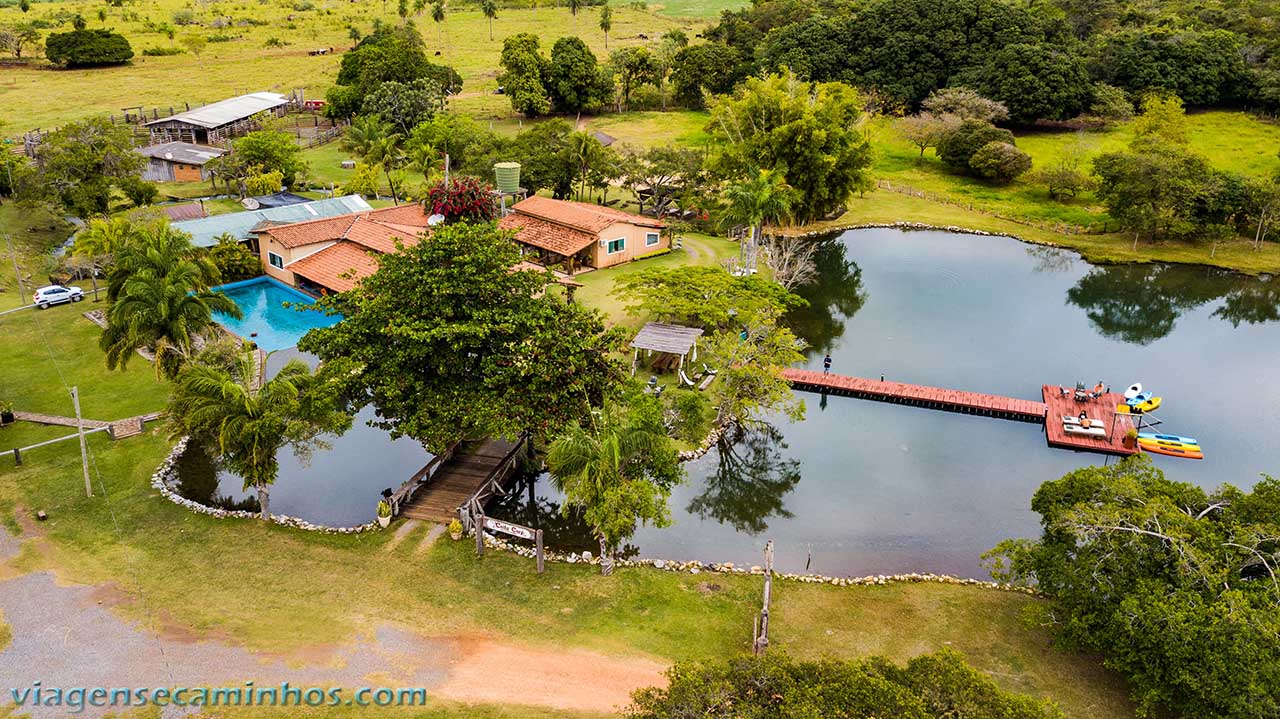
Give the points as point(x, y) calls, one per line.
point(56, 295)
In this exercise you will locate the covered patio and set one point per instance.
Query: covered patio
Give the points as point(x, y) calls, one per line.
point(675, 344)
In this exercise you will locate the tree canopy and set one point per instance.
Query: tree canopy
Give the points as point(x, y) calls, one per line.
point(809, 134)
point(448, 341)
point(931, 686)
point(87, 48)
point(79, 164)
point(575, 81)
point(1174, 585)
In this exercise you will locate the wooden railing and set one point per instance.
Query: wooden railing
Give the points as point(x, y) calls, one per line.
point(492, 484)
point(421, 478)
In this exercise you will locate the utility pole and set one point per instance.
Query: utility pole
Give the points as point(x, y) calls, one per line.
point(17, 273)
point(84, 452)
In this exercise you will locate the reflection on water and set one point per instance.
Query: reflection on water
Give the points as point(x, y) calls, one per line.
point(834, 295)
point(561, 530)
point(1140, 304)
point(197, 473)
point(750, 480)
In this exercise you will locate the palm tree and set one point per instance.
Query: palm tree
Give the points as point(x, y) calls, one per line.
point(160, 300)
point(96, 245)
point(617, 471)
point(249, 424)
point(490, 10)
point(764, 198)
point(437, 14)
point(606, 22)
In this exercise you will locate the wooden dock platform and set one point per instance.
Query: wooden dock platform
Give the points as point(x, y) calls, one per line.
point(472, 468)
point(950, 400)
point(1055, 405)
point(1102, 409)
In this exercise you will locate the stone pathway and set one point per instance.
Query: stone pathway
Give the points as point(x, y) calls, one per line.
point(401, 532)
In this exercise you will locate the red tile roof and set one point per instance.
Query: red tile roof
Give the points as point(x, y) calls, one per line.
point(579, 215)
point(547, 235)
point(339, 267)
point(376, 229)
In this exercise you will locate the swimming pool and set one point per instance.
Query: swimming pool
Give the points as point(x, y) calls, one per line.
point(266, 320)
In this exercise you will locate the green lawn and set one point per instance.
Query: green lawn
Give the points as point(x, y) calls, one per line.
point(31, 234)
point(697, 9)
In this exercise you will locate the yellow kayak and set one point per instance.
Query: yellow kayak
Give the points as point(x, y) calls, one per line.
point(1183, 446)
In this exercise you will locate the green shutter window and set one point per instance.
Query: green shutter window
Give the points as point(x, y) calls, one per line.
point(618, 245)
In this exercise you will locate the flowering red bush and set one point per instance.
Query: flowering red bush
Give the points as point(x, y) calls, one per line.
point(466, 198)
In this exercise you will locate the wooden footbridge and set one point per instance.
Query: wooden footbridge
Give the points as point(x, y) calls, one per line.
point(469, 472)
point(1057, 402)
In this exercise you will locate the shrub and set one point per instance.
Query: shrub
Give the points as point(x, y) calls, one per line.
point(184, 17)
point(774, 685)
point(139, 191)
point(691, 415)
point(1110, 103)
point(87, 48)
point(999, 162)
point(466, 198)
point(959, 145)
point(234, 260)
point(274, 41)
point(162, 51)
point(1063, 180)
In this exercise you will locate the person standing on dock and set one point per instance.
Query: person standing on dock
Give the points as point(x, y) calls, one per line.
point(826, 364)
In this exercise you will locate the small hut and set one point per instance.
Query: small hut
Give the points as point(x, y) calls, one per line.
point(674, 343)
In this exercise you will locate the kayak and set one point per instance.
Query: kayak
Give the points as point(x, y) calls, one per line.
point(1134, 390)
point(1138, 399)
point(1168, 437)
point(1122, 408)
point(1171, 451)
point(1167, 443)
point(1149, 405)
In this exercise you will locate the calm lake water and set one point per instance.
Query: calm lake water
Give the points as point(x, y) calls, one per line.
point(861, 487)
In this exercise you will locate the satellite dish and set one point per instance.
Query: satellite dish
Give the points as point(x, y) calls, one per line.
point(250, 203)
point(434, 220)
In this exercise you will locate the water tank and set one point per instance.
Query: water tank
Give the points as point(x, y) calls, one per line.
point(507, 175)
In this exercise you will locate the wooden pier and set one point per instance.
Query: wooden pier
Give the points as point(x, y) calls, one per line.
point(471, 471)
point(1055, 405)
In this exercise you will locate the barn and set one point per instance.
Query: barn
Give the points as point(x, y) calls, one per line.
point(217, 123)
point(177, 161)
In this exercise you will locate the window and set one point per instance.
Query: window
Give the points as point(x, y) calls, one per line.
point(276, 260)
point(618, 245)
point(651, 239)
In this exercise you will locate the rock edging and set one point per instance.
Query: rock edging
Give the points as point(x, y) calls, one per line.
point(165, 479)
point(697, 567)
point(903, 225)
point(711, 439)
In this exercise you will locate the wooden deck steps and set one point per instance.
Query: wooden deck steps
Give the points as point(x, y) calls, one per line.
point(458, 480)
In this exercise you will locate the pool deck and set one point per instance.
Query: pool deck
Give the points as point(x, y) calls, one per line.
point(1048, 412)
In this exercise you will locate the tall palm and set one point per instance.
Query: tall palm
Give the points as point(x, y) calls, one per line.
point(161, 301)
point(386, 152)
point(96, 245)
point(763, 198)
point(617, 470)
point(363, 133)
point(437, 14)
point(490, 10)
point(249, 424)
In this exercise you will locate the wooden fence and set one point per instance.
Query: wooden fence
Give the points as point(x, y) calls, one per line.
point(1061, 228)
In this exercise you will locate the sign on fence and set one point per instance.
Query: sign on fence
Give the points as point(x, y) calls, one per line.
point(514, 530)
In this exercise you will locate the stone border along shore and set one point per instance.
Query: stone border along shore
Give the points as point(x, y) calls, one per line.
point(916, 226)
point(165, 477)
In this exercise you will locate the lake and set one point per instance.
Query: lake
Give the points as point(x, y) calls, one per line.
point(861, 487)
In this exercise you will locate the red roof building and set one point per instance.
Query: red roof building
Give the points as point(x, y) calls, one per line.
point(578, 234)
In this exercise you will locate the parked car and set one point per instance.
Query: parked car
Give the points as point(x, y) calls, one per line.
point(56, 295)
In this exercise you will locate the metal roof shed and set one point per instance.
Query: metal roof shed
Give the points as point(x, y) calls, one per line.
point(216, 121)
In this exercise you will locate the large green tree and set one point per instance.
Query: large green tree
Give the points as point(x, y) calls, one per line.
point(1175, 586)
point(79, 164)
point(388, 54)
point(763, 198)
point(616, 467)
point(523, 72)
point(249, 422)
point(271, 149)
point(449, 341)
point(1035, 81)
point(574, 80)
point(405, 104)
point(810, 134)
point(710, 68)
point(87, 48)
point(161, 302)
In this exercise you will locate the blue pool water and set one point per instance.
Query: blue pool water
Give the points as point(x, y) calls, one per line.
point(266, 320)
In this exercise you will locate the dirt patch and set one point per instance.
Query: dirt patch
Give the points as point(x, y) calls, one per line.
point(560, 679)
point(708, 588)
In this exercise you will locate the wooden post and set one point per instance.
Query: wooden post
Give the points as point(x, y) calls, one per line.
point(537, 538)
point(17, 457)
point(762, 639)
point(477, 524)
point(84, 452)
